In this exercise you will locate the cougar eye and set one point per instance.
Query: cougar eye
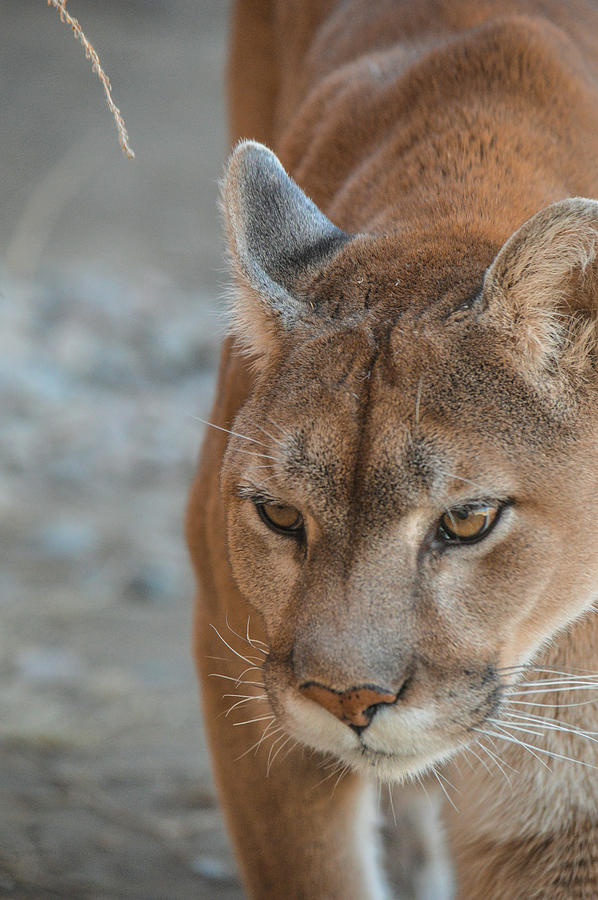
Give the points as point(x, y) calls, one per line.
point(465, 525)
point(283, 519)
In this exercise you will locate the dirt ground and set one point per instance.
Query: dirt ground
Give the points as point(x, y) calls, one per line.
point(110, 276)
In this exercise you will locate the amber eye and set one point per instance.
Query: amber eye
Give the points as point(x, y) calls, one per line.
point(465, 525)
point(283, 519)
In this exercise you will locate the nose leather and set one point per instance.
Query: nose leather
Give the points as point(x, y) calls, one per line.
point(355, 706)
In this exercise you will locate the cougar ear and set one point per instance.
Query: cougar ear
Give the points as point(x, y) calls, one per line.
point(543, 286)
point(277, 237)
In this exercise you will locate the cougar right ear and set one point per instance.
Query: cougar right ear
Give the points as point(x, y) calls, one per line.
point(277, 237)
point(542, 288)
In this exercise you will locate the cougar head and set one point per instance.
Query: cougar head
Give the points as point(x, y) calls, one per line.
point(410, 509)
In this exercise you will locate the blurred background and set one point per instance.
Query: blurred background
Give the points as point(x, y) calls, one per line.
point(110, 319)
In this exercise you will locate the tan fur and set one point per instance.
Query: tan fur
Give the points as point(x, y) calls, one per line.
point(442, 350)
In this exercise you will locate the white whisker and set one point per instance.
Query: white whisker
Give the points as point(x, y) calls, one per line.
point(552, 725)
point(482, 762)
point(258, 743)
point(257, 455)
point(232, 649)
point(392, 805)
point(423, 787)
point(444, 790)
point(465, 751)
point(498, 760)
point(254, 641)
point(236, 680)
point(280, 747)
point(228, 431)
point(581, 673)
point(465, 480)
point(515, 740)
point(339, 779)
point(240, 702)
point(290, 750)
point(276, 425)
point(536, 731)
point(336, 768)
point(418, 399)
point(257, 719)
point(572, 679)
point(554, 690)
point(550, 705)
point(270, 752)
point(268, 435)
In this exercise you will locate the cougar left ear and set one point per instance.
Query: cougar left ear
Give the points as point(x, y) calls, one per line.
point(277, 237)
point(543, 286)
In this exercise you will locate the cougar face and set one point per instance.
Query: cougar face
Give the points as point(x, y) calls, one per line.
point(407, 557)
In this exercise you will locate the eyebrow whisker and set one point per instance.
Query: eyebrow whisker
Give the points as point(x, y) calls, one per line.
point(228, 431)
point(465, 480)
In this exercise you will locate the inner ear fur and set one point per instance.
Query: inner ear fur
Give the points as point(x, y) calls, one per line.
point(278, 239)
point(543, 287)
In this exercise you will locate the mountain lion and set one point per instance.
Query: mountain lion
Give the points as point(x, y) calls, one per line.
point(394, 519)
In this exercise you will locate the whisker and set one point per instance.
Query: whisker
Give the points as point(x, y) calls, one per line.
point(276, 425)
point(460, 478)
point(537, 731)
point(392, 805)
point(450, 784)
point(554, 690)
point(423, 787)
point(465, 751)
point(227, 659)
point(258, 743)
point(272, 746)
point(232, 649)
point(257, 719)
point(482, 762)
point(240, 702)
point(290, 750)
point(228, 431)
point(280, 747)
point(255, 659)
point(268, 435)
point(444, 790)
point(418, 399)
point(553, 725)
point(515, 740)
point(336, 768)
point(257, 455)
point(254, 641)
point(571, 679)
point(550, 705)
point(580, 672)
point(245, 671)
point(236, 680)
point(497, 761)
point(450, 515)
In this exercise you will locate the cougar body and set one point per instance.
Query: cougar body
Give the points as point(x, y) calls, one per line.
point(396, 508)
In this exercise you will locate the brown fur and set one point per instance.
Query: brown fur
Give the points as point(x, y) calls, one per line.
point(444, 350)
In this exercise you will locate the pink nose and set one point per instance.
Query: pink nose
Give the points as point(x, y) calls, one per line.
point(355, 706)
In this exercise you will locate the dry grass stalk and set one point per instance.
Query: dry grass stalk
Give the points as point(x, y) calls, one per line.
point(91, 54)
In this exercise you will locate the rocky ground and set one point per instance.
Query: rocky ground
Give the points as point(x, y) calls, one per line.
point(110, 273)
